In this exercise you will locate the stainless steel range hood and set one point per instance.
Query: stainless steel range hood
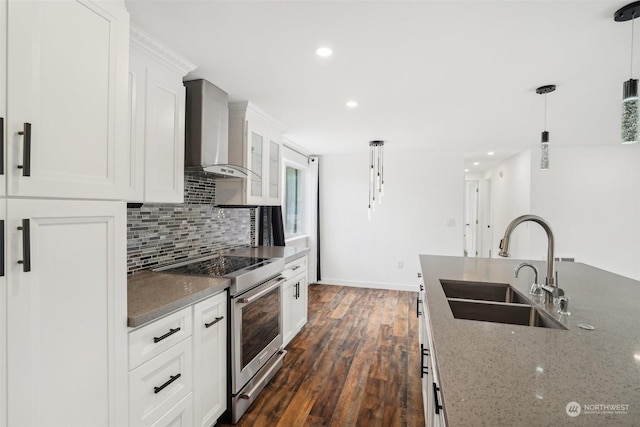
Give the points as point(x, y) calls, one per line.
point(207, 131)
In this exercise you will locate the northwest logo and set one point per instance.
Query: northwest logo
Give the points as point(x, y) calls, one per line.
point(573, 409)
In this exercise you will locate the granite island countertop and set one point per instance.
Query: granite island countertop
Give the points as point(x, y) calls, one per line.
point(494, 374)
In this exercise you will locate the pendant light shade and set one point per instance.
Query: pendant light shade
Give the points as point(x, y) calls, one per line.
point(629, 128)
point(376, 174)
point(544, 140)
point(630, 112)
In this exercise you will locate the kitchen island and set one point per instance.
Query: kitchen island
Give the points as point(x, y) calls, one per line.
point(498, 374)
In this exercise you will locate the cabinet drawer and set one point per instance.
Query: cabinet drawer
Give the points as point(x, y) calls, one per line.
point(180, 415)
point(158, 385)
point(154, 338)
point(295, 267)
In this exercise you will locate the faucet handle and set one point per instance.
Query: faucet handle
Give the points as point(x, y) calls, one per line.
point(563, 301)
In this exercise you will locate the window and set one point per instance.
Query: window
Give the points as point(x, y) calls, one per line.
point(294, 201)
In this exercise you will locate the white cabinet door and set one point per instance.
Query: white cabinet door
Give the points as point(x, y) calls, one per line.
point(287, 306)
point(299, 306)
point(3, 315)
point(66, 115)
point(274, 168)
point(66, 313)
point(210, 359)
point(3, 98)
point(164, 136)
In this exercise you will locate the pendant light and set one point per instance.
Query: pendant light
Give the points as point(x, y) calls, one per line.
point(629, 88)
point(544, 142)
point(376, 174)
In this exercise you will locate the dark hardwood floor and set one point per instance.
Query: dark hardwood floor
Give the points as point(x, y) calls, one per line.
point(355, 363)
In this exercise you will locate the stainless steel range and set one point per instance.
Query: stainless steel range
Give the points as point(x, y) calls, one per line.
point(256, 329)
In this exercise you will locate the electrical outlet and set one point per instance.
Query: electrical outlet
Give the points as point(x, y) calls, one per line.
point(400, 264)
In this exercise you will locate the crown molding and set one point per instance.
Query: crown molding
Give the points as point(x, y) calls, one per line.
point(146, 44)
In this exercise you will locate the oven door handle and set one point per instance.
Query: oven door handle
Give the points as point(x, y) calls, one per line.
point(263, 292)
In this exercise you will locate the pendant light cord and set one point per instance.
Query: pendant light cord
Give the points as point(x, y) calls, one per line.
point(545, 112)
point(633, 18)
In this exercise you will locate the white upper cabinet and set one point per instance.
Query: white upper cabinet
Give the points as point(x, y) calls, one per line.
point(157, 114)
point(255, 143)
point(66, 121)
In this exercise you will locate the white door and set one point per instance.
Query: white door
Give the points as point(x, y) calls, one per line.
point(66, 313)
point(485, 218)
point(67, 93)
point(210, 359)
point(471, 218)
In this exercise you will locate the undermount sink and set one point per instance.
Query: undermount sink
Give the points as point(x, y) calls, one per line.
point(494, 302)
point(485, 291)
point(513, 314)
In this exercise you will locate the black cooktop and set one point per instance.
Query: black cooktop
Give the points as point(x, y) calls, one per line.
point(217, 266)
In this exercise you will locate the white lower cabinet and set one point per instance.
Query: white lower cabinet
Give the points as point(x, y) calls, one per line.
point(159, 384)
point(178, 367)
point(431, 393)
point(180, 415)
point(66, 310)
point(295, 300)
point(210, 359)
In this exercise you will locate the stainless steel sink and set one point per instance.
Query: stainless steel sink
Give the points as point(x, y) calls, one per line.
point(484, 291)
point(514, 314)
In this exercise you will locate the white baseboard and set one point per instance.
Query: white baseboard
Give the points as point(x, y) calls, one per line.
point(371, 285)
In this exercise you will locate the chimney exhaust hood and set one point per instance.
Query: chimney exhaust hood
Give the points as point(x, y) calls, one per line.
point(207, 132)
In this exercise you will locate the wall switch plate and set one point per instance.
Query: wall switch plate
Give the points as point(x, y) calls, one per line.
point(451, 222)
point(400, 264)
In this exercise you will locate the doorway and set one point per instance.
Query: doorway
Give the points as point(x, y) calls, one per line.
point(478, 217)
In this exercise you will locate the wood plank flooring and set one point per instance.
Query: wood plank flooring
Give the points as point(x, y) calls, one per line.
point(355, 363)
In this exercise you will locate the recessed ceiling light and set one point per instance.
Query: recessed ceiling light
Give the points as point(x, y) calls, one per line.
point(324, 51)
point(351, 104)
point(466, 170)
point(490, 153)
point(476, 163)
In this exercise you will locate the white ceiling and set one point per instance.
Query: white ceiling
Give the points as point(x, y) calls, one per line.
point(434, 75)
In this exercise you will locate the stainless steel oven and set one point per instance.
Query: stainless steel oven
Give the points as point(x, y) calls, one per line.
point(256, 342)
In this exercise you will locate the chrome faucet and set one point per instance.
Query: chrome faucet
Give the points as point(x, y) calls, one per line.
point(535, 287)
point(550, 286)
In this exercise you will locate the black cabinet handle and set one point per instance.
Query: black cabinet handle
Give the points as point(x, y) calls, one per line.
point(26, 150)
point(26, 245)
point(1, 145)
point(213, 322)
point(1, 247)
point(418, 312)
point(168, 334)
point(438, 406)
point(163, 386)
point(424, 370)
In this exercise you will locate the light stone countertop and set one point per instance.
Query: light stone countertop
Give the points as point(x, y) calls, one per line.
point(494, 374)
point(151, 295)
point(289, 253)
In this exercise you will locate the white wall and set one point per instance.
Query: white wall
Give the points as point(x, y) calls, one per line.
point(591, 198)
point(511, 188)
point(423, 191)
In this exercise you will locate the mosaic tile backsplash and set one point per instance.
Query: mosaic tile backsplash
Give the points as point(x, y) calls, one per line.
point(159, 233)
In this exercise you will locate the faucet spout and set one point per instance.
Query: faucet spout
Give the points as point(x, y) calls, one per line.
point(504, 243)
